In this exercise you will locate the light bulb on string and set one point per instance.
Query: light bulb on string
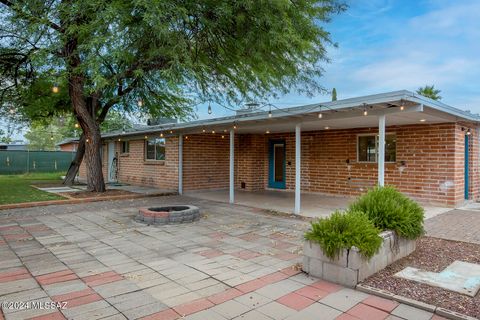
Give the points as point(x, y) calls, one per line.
point(402, 105)
point(55, 88)
point(270, 112)
point(365, 112)
point(140, 102)
point(320, 114)
point(209, 108)
point(77, 125)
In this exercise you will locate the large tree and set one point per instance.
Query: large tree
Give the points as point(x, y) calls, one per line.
point(164, 54)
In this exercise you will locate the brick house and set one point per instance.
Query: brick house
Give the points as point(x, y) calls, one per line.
point(69, 144)
point(427, 149)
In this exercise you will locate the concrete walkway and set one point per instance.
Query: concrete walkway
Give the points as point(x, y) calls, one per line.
point(234, 263)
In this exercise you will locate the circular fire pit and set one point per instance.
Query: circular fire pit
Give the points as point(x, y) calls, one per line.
point(168, 214)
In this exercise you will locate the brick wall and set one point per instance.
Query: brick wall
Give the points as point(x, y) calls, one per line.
point(134, 169)
point(433, 156)
point(206, 161)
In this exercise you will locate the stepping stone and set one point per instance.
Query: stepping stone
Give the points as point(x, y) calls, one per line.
point(461, 277)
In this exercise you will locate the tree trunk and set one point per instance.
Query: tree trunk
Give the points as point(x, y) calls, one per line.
point(93, 161)
point(91, 131)
point(76, 162)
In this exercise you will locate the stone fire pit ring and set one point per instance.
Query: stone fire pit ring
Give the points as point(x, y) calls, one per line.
point(170, 214)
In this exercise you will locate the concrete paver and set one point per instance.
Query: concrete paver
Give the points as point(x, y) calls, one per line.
point(235, 263)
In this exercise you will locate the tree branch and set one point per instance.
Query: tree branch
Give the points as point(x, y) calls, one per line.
point(51, 24)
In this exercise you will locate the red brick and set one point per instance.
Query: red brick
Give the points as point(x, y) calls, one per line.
point(227, 295)
point(193, 307)
point(291, 271)
point(274, 277)
point(251, 285)
point(75, 302)
point(73, 295)
point(295, 301)
point(312, 293)
point(50, 316)
point(364, 312)
point(381, 303)
point(168, 314)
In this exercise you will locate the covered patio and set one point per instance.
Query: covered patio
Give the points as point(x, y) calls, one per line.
point(311, 145)
point(314, 205)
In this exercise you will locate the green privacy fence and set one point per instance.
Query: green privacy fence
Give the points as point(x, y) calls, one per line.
point(12, 162)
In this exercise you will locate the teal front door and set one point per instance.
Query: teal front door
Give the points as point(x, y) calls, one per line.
point(276, 164)
point(466, 171)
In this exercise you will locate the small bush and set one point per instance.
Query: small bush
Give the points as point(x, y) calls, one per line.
point(344, 230)
point(389, 209)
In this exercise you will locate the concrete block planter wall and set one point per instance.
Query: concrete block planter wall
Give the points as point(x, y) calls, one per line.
point(350, 267)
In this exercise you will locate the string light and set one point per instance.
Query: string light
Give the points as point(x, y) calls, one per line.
point(119, 139)
point(402, 105)
point(320, 114)
point(224, 130)
point(365, 112)
point(55, 88)
point(77, 125)
point(234, 126)
point(161, 134)
point(51, 137)
point(123, 130)
point(146, 137)
point(326, 128)
point(140, 102)
point(88, 140)
point(423, 120)
point(209, 108)
point(213, 131)
point(223, 137)
point(171, 131)
point(270, 112)
point(186, 137)
point(267, 132)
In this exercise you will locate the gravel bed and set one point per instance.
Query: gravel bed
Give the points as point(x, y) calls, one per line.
point(432, 254)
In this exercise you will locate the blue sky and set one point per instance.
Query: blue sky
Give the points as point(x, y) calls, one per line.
point(387, 45)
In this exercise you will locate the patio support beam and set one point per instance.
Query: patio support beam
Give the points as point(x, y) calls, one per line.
point(297, 167)
point(381, 150)
point(180, 164)
point(232, 166)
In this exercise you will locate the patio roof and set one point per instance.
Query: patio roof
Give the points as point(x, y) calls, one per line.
point(401, 107)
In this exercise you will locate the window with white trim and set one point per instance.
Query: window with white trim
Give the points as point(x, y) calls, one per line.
point(367, 148)
point(155, 149)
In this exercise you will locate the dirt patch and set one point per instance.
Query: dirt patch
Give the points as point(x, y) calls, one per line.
point(89, 194)
point(432, 254)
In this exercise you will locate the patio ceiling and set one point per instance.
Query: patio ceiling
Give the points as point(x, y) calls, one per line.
point(341, 114)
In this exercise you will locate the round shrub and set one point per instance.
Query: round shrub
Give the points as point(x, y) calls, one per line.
point(389, 209)
point(344, 230)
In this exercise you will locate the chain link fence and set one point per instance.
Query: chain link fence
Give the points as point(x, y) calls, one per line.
point(15, 162)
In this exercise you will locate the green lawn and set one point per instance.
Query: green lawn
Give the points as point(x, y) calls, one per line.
point(17, 188)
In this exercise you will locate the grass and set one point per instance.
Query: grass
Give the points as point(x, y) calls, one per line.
point(17, 188)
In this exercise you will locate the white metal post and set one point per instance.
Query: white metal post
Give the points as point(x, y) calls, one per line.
point(232, 164)
point(381, 150)
point(180, 164)
point(297, 167)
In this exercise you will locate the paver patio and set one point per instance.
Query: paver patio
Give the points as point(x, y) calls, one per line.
point(235, 263)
